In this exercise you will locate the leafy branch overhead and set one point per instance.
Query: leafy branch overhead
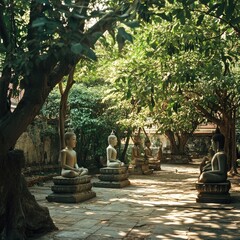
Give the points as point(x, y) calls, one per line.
point(41, 40)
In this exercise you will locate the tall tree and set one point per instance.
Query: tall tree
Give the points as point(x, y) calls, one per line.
point(41, 40)
point(176, 64)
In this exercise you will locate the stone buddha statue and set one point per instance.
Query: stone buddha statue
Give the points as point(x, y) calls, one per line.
point(137, 156)
point(70, 168)
point(148, 150)
point(112, 160)
point(152, 160)
point(218, 170)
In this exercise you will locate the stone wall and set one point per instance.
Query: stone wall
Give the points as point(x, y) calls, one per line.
point(40, 149)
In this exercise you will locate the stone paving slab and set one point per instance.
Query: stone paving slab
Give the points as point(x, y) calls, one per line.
point(158, 206)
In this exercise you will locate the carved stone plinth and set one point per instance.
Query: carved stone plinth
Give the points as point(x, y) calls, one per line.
point(213, 192)
point(154, 164)
point(112, 178)
point(140, 169)
point(71, 190)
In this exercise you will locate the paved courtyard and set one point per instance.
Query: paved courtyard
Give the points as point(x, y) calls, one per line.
point(157, 206)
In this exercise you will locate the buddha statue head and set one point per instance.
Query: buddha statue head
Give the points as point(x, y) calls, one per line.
point(136, 139)
point(218, 140)
point(147, 142)
point(70, 139)
point(112, 139)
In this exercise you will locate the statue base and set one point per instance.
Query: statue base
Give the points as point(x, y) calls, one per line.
point(213, 192)
point(112, 178)
point(155, 165)
point(71, 190)
point(142, 169)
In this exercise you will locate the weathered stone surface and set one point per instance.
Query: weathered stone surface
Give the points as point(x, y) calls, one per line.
point(105, 184)
point(71, 198)
point(72, 188)
point(114, 171)
point(154, 165)
point(213, 192)
point(59, 180)
point(112, 178)
point(213, 187)
point(213, 198)
point(140, 170)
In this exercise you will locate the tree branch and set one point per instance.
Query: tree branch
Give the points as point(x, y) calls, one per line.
point(209, 116)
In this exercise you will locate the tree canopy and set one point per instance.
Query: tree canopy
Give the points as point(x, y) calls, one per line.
point(40, 43)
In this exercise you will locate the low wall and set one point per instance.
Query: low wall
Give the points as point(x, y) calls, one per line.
point(40, 150)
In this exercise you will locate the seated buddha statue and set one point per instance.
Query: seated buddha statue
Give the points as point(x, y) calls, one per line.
point(137, 157)
point(112, 160)
point(217, 172)
point(148, 150)
point(149, 154)
point(68, 157)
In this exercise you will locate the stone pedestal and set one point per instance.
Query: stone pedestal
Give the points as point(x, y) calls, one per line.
point(112, 178)
point(71, 190)
point(213, 192)
point(140, 168)
point(154, 164)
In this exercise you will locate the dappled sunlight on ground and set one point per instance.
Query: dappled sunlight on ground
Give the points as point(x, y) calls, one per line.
point(158, 206)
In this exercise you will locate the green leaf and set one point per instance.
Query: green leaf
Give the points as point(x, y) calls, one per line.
point(165, 17)
point(189, 2)
point(235, 20)
point(77, 48)
point(88, 52)
point(229, 9)
point(200, 19)
point(176, 106)
point(129, 94)
point(43, 1)
point(204, 1)
point(78, 16)
point(125, 35)
point(67, 1)
point(220, 10)
point(188, 14)
point(180, 16)
point(39, 22)
point(132, 24)
point(213, 7)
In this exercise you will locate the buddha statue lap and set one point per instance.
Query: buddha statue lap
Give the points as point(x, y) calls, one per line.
point(68, 157)
point(112, 160)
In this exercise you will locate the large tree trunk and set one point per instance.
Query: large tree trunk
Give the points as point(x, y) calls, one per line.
point(124, 152)
point(20, 214)
point(177, 142)
point(228, 129)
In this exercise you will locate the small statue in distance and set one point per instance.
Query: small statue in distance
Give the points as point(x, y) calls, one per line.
point(149, 155)
point(112, 160)
point(137, 156)
point(68, 157)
